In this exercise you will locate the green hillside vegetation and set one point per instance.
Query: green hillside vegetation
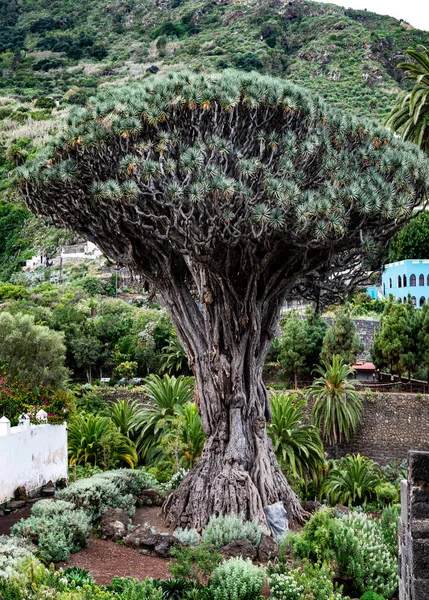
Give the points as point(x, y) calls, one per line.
point(55, 54)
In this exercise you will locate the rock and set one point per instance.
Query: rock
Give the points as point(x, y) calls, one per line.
point(152, 69)
point(15, 504)
point(114, 524)
point(165, 542)
point(20, 493)
point(142, 535)
point(151, 498)
point(1, 513)
point(47, 491)
point(243, 548)
point(267, 549)
point(311, 506)
point(339, 508)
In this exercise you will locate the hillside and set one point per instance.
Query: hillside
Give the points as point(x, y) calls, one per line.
point(55, 53)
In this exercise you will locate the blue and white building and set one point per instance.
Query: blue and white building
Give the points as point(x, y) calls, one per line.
point(407, 277)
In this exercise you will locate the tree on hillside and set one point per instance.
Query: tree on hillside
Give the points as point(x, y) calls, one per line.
point(412, 241)
point(230, 193)
point(394, 345)
point(342, 338)
point(410, 115)
point(301, 343)
point(30, 352)
point(423, 339)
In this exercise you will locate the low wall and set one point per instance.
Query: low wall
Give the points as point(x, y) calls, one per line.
point(30, 456)
point(392, 424)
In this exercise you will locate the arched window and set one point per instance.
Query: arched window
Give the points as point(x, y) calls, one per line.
point(400, 281)
point(405, 280)
point(421, 279)
point(390, 282)
point(414, 299)
point(384, 289)
point(412, 281)
point(405, 300)
point(422, 300)
point(427, 280)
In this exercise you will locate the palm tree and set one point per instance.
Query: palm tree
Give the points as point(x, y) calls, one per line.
point(337, 406)
point(174, 357)
point(94, 439)
point(410, 115)
point(352, 482)
point(165, 395)
point(297, 445)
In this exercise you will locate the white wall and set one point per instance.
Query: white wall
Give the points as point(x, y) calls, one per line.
point(31, 455)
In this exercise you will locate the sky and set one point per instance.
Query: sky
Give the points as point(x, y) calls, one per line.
point(415, 12)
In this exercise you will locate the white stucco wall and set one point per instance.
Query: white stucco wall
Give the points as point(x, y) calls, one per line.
point(31, 455)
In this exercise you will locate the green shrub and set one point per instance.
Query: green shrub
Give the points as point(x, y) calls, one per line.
point(127, 588)
point(111, 488)
point(188, 537)
point(13, 550)
point(194, 563)
point(224, 529)
point(77, 576)
point(362, 548)
point(237, 579)
point(312, 582)
point(94, 495)
point(369, 595)
point(387, 493)
point(56, 527)
point(45, 102)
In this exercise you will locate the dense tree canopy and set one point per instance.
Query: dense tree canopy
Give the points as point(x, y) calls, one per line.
point(412, 241)
point(229, 193)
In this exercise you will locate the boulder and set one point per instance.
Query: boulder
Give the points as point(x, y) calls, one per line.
point(15, 504)
point(339, 508)
point(1, 513)
point(114, 524)
point(141, 536)
point(243, 548)
point(164, 544)
point(20, 493)
point(151, 498)
point(311, 506)
point(267, 549)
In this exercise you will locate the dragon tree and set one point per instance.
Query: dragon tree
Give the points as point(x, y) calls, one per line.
point(229, 193)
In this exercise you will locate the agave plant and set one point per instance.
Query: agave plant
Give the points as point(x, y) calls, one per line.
point(95, 440)
point(297, 445)
point(353, 482)
point(164, 395)
point(337, 406)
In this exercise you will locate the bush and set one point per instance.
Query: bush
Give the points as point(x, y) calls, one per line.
point(45, 103)
point(364, 549)
point(57, 528)
point(128, 588)
point(111, 488)
point(371, 596)
point(237, 579)
point(194, 563)
point(13, 551)
point(188, 537)
point(224, 529)
point(77, 576)
point(312, 582)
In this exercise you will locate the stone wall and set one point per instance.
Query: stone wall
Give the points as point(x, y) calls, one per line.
point(392, 424)
point(414, 530)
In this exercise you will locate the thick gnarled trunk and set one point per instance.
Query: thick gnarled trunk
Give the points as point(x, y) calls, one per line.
point(238, 471)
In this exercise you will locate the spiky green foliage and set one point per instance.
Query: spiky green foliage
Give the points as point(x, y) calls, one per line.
point(323, 181)
point(96, 440)
point(410, 115)
point(165, 395)
point(337, 408)
point(297, 444)
point(352, 482)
